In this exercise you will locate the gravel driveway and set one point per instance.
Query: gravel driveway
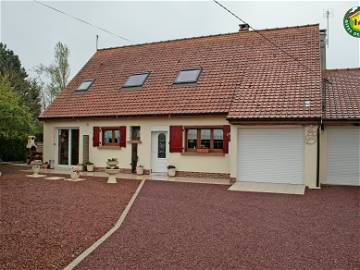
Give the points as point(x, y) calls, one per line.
point(44, 224)
point(197, 226)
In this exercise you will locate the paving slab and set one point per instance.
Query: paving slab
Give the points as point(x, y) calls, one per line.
point(268, 188)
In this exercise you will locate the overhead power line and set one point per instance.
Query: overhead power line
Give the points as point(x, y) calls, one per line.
point(263, 36)
point(81, 20)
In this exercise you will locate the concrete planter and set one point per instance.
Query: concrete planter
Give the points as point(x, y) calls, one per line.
point(171, 172)
point(139, 170)
point(111, 175)
point(90, 168)
point(112, 163)
point(75, 175)
point(36, 166)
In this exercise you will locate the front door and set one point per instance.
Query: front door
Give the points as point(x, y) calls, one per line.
point(159, 151)
point(68, 146)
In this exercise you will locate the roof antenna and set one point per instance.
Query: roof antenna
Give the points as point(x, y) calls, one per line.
point(97, 41)
point(327, 14)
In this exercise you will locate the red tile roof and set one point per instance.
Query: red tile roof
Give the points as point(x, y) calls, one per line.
point(343, 94)
point(242, 74)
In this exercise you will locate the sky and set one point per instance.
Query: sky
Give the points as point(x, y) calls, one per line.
point(32, 30)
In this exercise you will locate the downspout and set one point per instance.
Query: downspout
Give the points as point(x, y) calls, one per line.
point(318, 157)
point(321, 127)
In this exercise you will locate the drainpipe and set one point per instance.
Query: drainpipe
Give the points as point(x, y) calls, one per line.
point(318, 157)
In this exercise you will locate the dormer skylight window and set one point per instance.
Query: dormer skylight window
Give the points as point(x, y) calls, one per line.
point(136, 80)
point(188, 75)
point(85, 85)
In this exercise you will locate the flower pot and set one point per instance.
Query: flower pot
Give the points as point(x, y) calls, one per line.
point(36, 166)
point(111, 175)
point(172, 172)
point(202, 150)
point(139, 170)
point(90, 168)
point(75, 175)
point(112, 163)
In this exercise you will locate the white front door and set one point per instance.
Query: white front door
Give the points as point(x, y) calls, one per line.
point(271, 155)
point(159, 151)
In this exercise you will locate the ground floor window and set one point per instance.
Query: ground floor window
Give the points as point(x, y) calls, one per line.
point(204, 139)
point(111, 136)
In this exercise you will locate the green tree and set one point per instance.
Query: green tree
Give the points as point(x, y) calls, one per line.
point(56, 75)
point(28, 90)
point(15, 117)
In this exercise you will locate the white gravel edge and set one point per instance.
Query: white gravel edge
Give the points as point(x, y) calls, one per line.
point(117, 225)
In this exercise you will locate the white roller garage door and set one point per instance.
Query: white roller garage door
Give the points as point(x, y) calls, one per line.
point(271, 155)
point(343, 156)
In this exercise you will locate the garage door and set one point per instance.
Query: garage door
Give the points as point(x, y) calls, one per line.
point(343, 151)
point(273, 155)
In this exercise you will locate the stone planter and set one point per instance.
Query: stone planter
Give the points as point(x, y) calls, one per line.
point(139, 170)
point(36, 166)
point(172, 172)
point(75, 172)
point(111, 175)
point(75, 175)
point(112, 163)
point(90, 167)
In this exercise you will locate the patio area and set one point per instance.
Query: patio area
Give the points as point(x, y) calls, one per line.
point(153, 176)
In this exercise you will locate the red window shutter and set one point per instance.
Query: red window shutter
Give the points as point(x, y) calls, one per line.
point(226, 134)
point(96, 135)
point(123, 136)
point(176, 139)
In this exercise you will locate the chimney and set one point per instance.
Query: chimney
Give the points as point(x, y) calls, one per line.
point(243, 27)
point(323, 48)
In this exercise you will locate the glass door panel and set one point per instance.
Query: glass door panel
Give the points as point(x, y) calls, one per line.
point(74, 146)
point(63, 147)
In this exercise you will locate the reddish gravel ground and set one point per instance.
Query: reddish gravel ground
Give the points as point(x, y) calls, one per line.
point(197, 226)
point(44, 224)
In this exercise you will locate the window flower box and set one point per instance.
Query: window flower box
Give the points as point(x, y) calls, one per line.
point(202, 150)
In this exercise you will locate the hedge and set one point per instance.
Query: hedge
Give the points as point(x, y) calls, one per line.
point(12, 149)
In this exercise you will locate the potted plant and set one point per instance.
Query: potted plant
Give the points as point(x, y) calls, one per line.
point(89, 166)
point(171, 170)
point(111, 170)
point(75, 172)
point(112, 162)
point(139, 169)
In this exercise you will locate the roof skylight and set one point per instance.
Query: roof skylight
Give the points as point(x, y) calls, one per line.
point(188, 75)
point(85, 85)
point(137, 79)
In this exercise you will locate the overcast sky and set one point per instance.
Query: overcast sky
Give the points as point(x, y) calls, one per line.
point(32, 30)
